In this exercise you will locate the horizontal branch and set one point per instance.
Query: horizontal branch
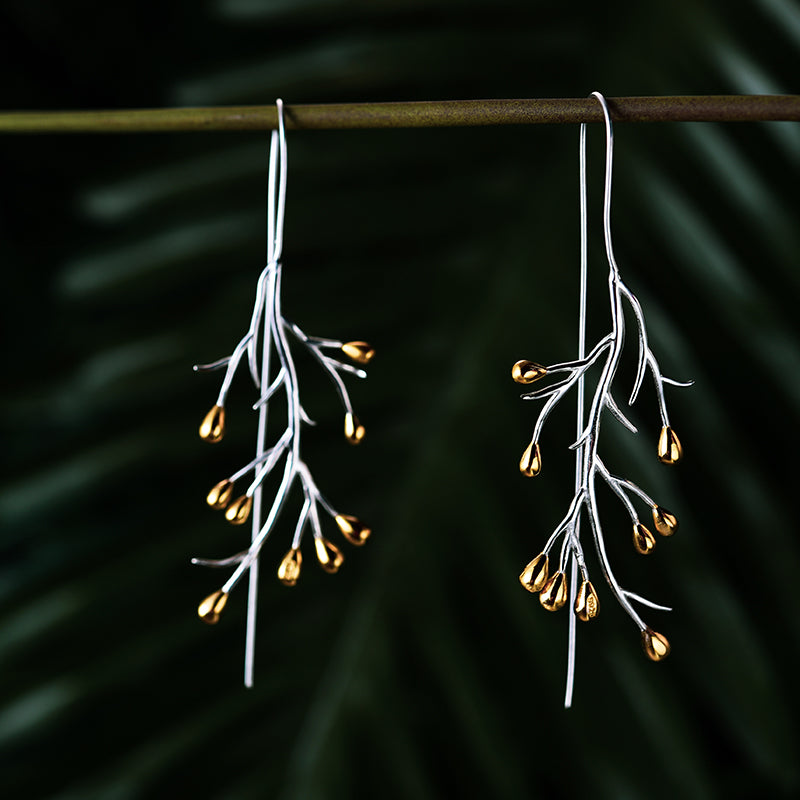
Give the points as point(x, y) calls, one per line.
point(449, 113)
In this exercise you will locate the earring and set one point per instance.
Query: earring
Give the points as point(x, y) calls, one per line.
point(537, 577)
point(268, 322)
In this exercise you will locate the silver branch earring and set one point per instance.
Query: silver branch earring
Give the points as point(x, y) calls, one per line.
point(268, 322)
point(538, 577)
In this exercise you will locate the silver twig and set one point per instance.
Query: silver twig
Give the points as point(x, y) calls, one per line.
point(268, 322)
point(537, 577)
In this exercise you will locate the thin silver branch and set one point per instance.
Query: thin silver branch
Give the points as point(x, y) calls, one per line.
point(551, 586)
point(267, 345)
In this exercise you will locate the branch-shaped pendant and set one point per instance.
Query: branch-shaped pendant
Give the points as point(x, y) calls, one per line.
point(268, 322)
point(538, 576)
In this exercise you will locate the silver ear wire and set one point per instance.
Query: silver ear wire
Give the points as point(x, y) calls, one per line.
point(536, 577)
point(267, 320)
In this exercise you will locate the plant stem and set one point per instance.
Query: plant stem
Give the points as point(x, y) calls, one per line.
point(428, 114)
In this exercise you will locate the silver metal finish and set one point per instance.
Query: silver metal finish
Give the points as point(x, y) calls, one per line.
point(588, 464)
point(268, 322)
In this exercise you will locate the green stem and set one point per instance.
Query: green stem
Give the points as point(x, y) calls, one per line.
point(449, 113)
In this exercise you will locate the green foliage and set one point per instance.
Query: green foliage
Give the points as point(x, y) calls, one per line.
point(422, 670)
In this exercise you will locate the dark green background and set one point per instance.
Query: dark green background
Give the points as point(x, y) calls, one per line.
point(422, 670)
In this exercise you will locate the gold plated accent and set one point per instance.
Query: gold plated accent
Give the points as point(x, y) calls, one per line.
point(535, 575)
point(531, 462)
point(212, 428)
point(669, 447)
point(643, 540)
point(239, 510)
point(329, 555)
point(289, 569)
point(355, 531)
point(554, 594)
point(360, 352)
point(587, 603)
point(665, 522)
point(210, 609)
point(220, 495)
point(527, 372)
point(353, 429)
point(656, 645)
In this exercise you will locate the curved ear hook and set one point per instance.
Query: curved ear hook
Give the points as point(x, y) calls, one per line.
point(582, 308)
point(276, 191)
point(607, 192)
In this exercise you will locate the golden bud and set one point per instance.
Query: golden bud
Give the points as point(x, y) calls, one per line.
point(643, 540)
point(531, 462)
point(655, 644)
point(360, 352)
point(212, 428)
point(527, 372)
point(219, 496)
point(239, 510)
point(355, 531)
point(289, 569)
point(210, 609)
point(669, 447)
point(353, 429)
point(587, 603)
point(329, 555)
point(535, 575)
point(554, 594)
point(665, 522)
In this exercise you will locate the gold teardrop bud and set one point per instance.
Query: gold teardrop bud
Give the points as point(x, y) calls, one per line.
point(210, 609)
point(656, 645)
point(665, 522)
point(212, 428)
point(527, 372)
point(587, 603)
point(554, 594)
point(360, 352)
point(355, 531)
point(531, 462)
point(329, 555)
point(220, 495)
point(643, 540)
point(239, 510)
point(669, 447)
point(289, 569)
point(535, 575)
point(353, 429)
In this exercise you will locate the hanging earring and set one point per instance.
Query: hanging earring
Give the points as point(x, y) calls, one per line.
point(268, 322)
point(538, 576)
